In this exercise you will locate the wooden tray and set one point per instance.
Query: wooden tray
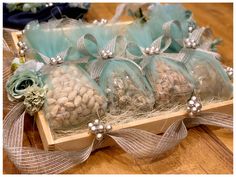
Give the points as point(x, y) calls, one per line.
point(155, 125)
point(79, 141)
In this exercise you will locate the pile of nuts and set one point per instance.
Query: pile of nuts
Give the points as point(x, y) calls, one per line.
point(171, 86)
point(210, 84)
point(72, 98)
point(124, 94)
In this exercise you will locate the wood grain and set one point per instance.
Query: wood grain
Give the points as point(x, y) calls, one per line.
point(206, 150)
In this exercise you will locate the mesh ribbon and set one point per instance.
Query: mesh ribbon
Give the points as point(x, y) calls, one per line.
point(116, 46)
point(138, 143)
point(162, 43)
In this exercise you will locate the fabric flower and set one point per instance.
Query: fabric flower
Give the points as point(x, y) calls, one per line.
point(34, 99)
point(19, 82)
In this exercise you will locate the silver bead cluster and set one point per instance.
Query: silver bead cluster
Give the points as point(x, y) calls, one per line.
point(190, 43)
point(99, 129)
point(22, 46)
point(152, 50)
point(101, 22)
point(194, 106)
point(57, 60)
point(230, 72)
point(106, 54)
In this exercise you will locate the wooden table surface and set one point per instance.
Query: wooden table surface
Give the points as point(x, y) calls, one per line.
point(206, 150)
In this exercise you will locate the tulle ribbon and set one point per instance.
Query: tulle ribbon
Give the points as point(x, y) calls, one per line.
point(63, 54)
point(47, 60)
point(138, 143)
point(165, 41)
point(116, 46)
point(162, 43)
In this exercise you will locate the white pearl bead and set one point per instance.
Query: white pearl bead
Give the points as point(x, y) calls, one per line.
point(188, 109)
point(59, 61)
point(151, 52)
point(93, 128)
point(192, 40)
point(147, 50)
point(194, 109)
point(100, 127)
point(152, 48)
point(156, 50)
point(90, 125)
point(99, 136)
point(96, 122)
point(198, 105)
point(189, 44)
point(108, 127)
point(22, 53)
point(230, 73)
point(108, 90)
point(104, 55)
point(190, 29)
point(191, 114)
point(194, 45)
point(19, 44)
point(25, 47)
point(27, 27)
point(191, 103)
point(194, 98)
point(187, 40)
point(95, 22)
point(110, 54)
point(53, 61)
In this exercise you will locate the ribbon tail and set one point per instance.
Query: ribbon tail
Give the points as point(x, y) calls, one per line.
point(63, 54)
point(95, 68)
point(172, 137)
point(45, 59)
point(211, 118)
point(143, 144)
point(36, 161)
point(13, 137)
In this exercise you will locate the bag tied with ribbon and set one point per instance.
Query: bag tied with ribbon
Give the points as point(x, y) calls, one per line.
point(211, 80)
point(168, 77)
point(73, 98)
point(161, 14)
point(121, 79)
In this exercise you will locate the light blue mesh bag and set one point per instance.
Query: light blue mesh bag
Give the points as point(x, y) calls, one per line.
point(212, 82)
point(73, 98)
point(121, 79)
point(168, 77)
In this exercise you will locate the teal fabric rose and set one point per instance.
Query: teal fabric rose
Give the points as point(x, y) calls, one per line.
point(20, 81)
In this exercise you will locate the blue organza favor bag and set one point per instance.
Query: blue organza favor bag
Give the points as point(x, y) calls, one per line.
point(73, 98)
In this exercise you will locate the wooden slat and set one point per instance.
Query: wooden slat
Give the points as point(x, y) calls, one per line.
point(44, 131)
point(155, 125)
